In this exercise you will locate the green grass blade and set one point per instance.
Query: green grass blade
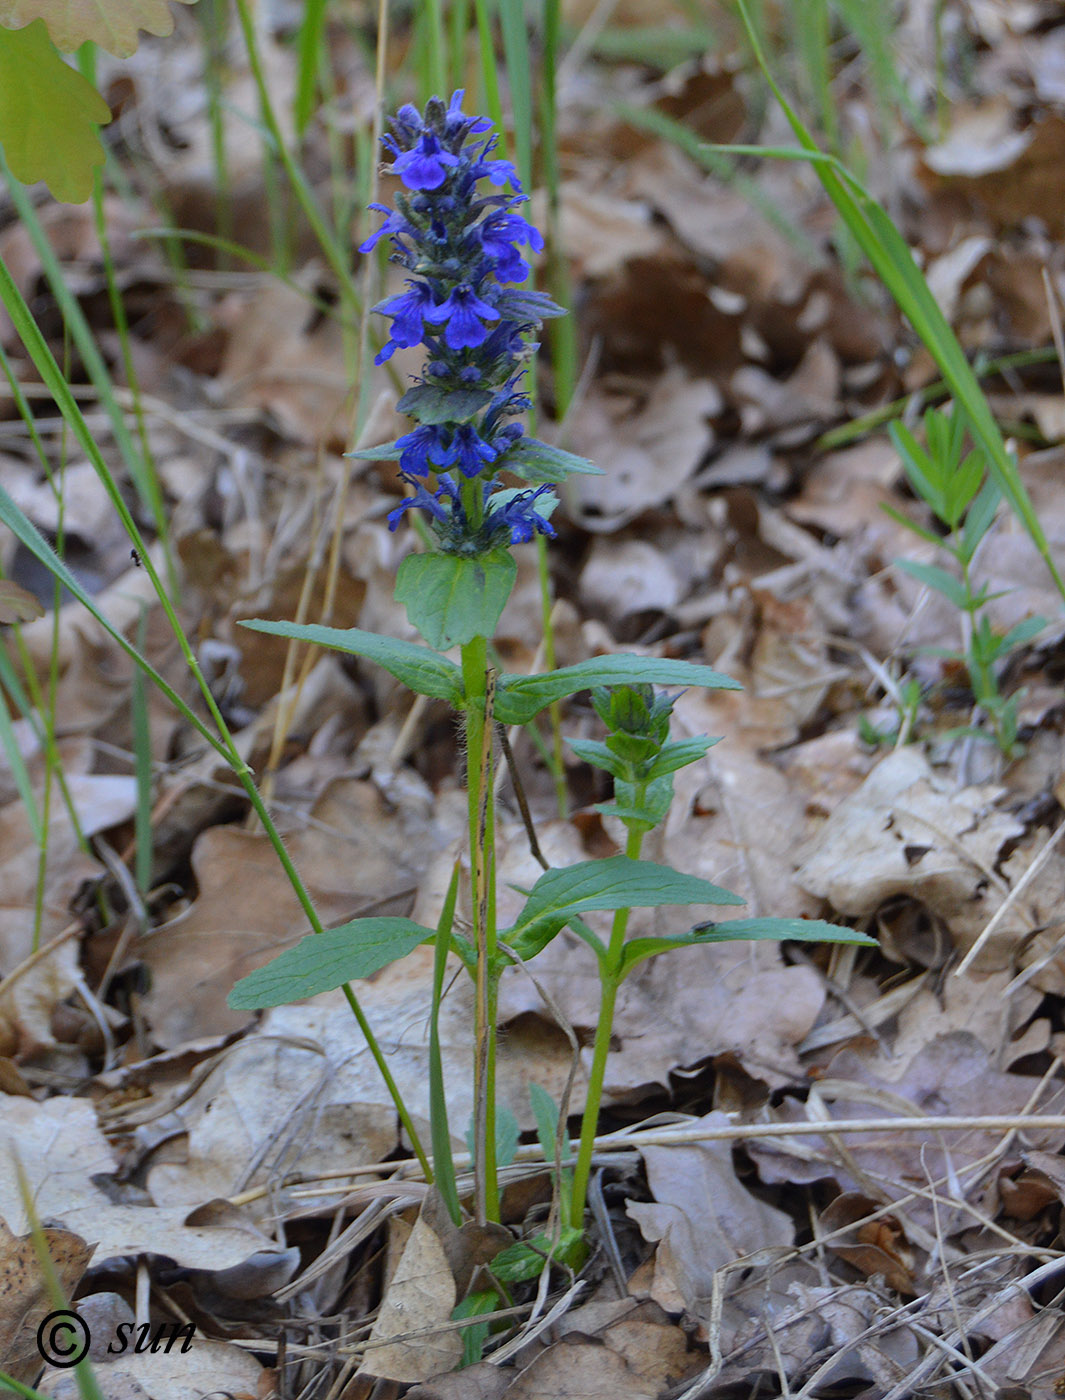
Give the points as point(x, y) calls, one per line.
point(142, 768)
point(490, 72)
point(439, 1131)
point(519, 80)
point(84, 340)
point(18, 769)
point(309, 50)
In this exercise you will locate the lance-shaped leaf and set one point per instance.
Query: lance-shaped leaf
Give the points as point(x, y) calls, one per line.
point(519, 698)
point(619, 882)
point(732, 930)
point(323, 961)
point(417, 667)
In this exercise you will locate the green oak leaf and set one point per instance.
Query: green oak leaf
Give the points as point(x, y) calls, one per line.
point(49, 115)
point(112, 24)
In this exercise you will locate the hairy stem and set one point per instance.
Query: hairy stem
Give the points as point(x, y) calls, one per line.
point(480, 687)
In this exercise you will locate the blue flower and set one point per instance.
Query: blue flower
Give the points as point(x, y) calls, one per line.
point(468, 450)
point(519, 516)
point(430, 501)
point(406, 311)
point(425, 167)
point(461, 311)
point(463, 246)
point(393, 225)
point(457, 123)
point(498, 235)
point(423, 450)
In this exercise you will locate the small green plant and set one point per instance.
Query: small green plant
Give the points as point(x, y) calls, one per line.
point(460, 245)
point(963, 497)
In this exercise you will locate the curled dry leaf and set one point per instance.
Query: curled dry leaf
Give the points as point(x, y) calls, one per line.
point(874, 1246)
point(17, 604)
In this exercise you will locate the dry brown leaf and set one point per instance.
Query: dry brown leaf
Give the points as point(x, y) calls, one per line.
point(361, 852)
point(403, 1345)
point(207, 1367)
point(25, 1298)
point(285, 359)
point(271, 1108)
point(481, 1382)
point(909, 831)
point(17, 604)
point(951, 1075)
point(874, 1246)
point(580, 1371)
point(703, 1219)
point(648, 444)
point(35, 985)
point(61, 1150)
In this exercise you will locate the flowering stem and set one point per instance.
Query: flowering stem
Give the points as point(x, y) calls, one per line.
point(479, 688)
point(610, 976)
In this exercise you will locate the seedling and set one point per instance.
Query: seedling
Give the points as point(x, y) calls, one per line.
point(963, 497)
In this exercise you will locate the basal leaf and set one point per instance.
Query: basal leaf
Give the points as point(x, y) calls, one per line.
point(519, 698)
point(417, 667)
point(323, 961)
point(731, 930)
point(615, 883)
point(49, 115)
point(112, 24)
point(450, 599)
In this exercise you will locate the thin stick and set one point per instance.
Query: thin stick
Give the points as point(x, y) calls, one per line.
point(519, 793)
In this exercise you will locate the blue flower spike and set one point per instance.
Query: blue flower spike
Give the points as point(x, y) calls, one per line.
point(455, 230)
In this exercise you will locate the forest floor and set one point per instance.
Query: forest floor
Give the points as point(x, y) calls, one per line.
point(246, 1172)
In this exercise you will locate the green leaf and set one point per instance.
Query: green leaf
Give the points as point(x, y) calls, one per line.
point(524, 1261)
point(323, 961)
point(475, 1336)
point(1020, 633)
point(387, 452)
point(934, 577)
point(417, 667)
point(680, 753)
point(615, 883)
point(49, 115)
point(428, 404)
point(508, 1135)
point(519, 698)
point(545, 1111)
point(533, 460)
point(908, 524)
point(599, 756)
point(112, 24)
point(733, 930)
point(450, 599)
